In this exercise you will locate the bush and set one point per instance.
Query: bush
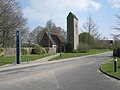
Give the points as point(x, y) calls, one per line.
point(38, 50)
point(23, 51)
point(83, 48)
point(116, 52)
point(1, 50)
point(68, 48)
point(101, 46)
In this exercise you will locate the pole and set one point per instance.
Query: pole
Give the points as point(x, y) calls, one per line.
point(60, 50)
point(115, 64)
point(18, 47)
point(49, 40)
point(28, 53)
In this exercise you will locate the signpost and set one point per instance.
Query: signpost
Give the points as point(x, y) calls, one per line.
point(18, 47)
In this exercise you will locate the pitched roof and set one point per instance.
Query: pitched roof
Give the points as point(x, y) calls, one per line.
point(71, 14)
point(55, 38)
point(61, 38)
point(51, 39)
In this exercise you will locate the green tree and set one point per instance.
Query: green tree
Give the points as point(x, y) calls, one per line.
point(86, 38)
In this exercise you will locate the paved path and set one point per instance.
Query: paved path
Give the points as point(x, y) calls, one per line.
point(73, 74)
point(26, 64)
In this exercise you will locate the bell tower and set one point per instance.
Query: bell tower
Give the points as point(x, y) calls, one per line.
point(72, 30)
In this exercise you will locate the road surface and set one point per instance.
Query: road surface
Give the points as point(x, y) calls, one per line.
point(77, 74)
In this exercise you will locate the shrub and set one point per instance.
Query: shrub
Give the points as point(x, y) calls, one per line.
point(38, 50)
point(101, 46)
point(116, 52)
point(1, 50)
point(68, 48)
point(23, 51)
point(83, 48)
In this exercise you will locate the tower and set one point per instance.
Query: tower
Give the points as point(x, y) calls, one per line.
point(72, 30)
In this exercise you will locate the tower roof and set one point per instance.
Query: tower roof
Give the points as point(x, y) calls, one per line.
point(71, 14)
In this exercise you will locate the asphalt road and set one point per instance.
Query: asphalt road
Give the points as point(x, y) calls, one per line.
point(78, 74)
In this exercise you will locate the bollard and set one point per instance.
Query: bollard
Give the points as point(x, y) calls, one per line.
point(60, 54)
point(60, 50)
point(115, 64)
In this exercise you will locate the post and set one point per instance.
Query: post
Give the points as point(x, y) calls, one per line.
point(49, 40)
point(60, 55)
point(115, 64)
point(28, 53)
point(60, 50)
point(18, 47)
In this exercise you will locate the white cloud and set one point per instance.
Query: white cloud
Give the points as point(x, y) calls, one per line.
point(57, 10)
point(115, 3)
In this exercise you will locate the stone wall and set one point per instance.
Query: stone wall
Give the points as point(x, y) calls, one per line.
point(12, 51)
point(51, 49)
point(9, 52)
point(75, 33)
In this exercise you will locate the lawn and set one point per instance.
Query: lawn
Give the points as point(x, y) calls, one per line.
point(71, 55)
point(24, 58)
point(109, 68)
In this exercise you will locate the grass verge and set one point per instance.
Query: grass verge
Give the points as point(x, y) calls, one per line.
point(109, 68)
point(24, 58)
point(71, 55)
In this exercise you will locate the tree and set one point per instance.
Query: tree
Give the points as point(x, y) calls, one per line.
point(86, 38)
point(38, 32)
point(91, 27)
point(51, 27)
point(117, 27)
point(11, 19)
point(116, 37)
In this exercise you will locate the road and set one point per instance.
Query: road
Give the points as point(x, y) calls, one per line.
point(77, 74)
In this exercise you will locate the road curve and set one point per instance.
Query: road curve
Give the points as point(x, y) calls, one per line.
point(77, 74)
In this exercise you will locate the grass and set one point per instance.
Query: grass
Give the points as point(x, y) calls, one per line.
point(24, 58)
point(11, 59)
point(109, 68)
point(71, 55)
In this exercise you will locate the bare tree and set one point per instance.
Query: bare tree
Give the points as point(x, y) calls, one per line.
point(51, 27)
point(11, 19)
point(117, 27)
point(91, 27)
point(36, 34)
point(116, 37)
point(50, 24)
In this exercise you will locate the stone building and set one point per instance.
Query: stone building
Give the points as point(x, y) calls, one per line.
point(72, 30)
point(53, 42)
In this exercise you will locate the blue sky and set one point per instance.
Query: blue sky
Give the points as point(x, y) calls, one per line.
point(38, 12)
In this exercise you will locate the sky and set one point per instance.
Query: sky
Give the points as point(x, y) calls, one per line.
point(104, 12)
